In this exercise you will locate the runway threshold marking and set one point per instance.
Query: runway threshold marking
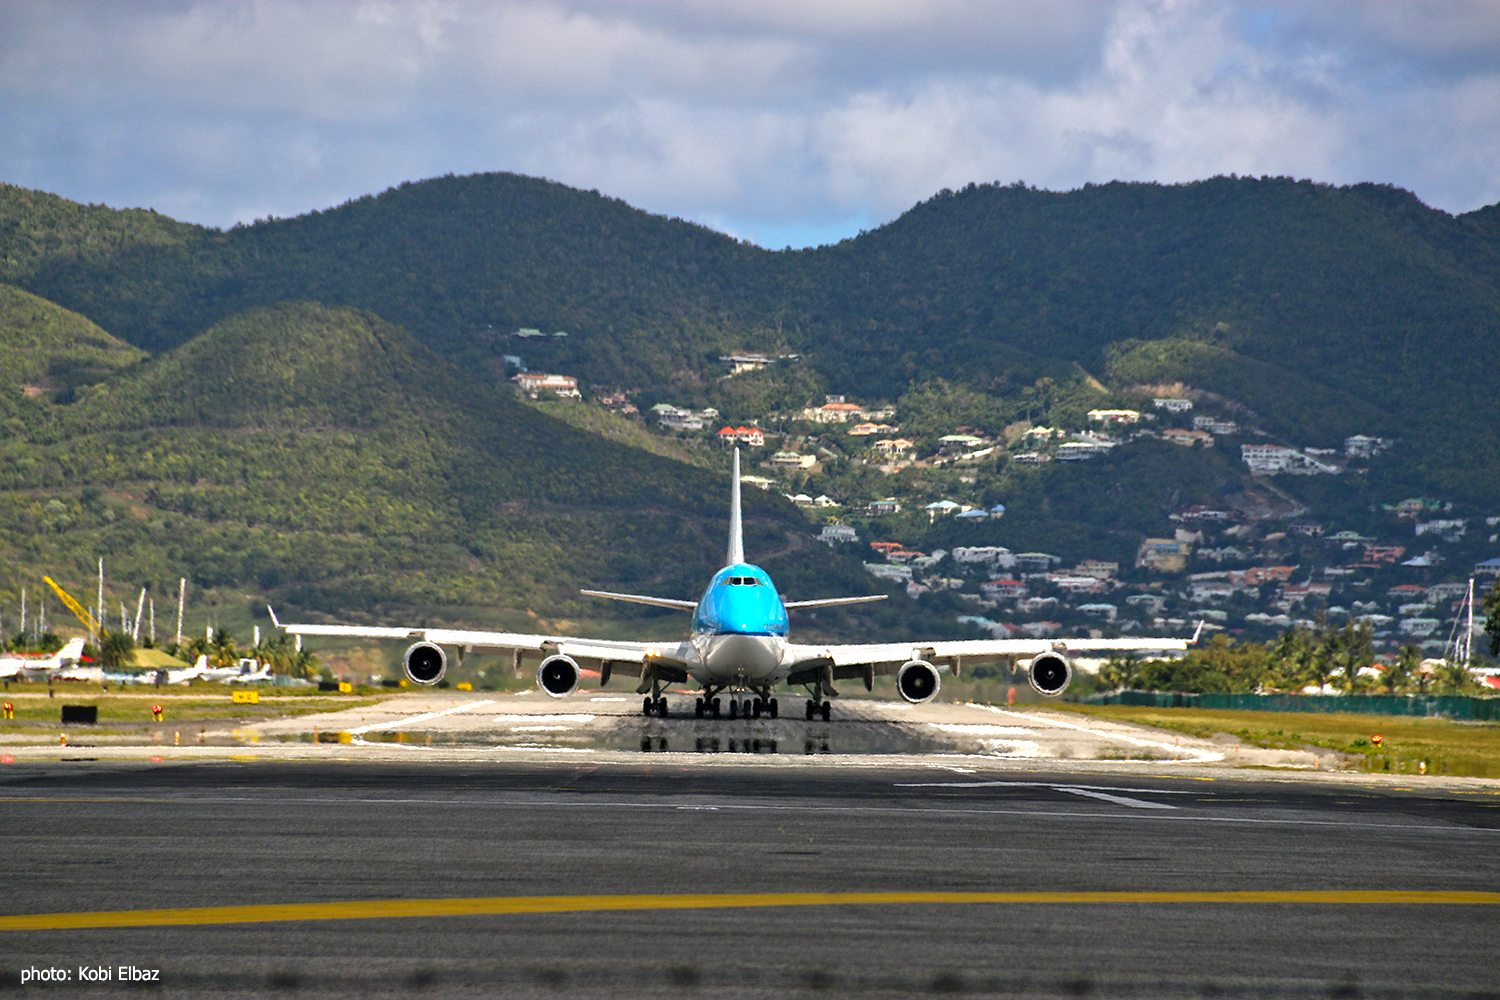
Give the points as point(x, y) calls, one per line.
point(503, 905)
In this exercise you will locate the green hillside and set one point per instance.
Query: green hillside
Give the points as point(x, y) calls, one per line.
point(47, 348)
point(321, 456)
point(1324, 310)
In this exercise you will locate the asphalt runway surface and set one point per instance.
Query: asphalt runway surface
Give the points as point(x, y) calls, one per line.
point(730, 843)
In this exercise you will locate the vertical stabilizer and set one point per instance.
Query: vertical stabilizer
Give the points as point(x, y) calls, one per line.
point(736, 535)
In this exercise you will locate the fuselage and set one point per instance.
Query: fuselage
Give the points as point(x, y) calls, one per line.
point(739, 629)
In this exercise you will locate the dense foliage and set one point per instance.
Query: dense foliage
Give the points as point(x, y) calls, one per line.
point(1324, 309)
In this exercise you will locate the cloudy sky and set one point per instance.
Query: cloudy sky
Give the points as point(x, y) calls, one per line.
point(781, 121)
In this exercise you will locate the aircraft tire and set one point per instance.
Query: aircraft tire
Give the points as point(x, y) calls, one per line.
point(661, 707)
point(812, 707)
point(771, 706)
point(646, 707)
point(754, 707)
point(717, 708)
point(734, 708)
point(698, 708)
point(825, 710)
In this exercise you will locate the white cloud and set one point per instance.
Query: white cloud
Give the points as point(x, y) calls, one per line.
point(767, 117)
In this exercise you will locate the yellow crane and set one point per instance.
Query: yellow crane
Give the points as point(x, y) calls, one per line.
point(81, 612)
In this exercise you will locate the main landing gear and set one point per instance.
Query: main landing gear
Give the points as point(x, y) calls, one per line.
point(761, 703)
point(655, 706)
point(815, 708)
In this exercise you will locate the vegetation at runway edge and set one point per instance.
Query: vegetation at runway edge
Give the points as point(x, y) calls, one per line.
point(1445, 746)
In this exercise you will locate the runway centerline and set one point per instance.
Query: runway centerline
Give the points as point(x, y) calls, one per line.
point(504, 905)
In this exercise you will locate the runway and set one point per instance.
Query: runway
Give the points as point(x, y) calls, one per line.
point(1035, 878)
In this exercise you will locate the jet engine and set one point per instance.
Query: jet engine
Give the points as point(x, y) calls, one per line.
point(917, 680)
point(1050, 673)
point(558, 675)
point(425, 662)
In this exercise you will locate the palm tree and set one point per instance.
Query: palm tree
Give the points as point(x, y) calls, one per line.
point(222, 651)
point(116, 649)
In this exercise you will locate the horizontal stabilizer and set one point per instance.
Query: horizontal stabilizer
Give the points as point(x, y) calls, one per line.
point(828, 602)
point(660, 602)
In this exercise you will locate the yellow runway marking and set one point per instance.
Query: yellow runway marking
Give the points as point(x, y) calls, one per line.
point(501, 905)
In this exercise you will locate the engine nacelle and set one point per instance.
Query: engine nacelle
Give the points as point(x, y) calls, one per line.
point(917, 680)
point(1050, 673)
point(558, 675)
point(425, 662)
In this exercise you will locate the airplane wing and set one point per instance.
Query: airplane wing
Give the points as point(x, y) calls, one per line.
point(867, 661)
point(667, 660)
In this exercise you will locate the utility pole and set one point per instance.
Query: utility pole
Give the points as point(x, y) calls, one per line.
point(181, 593)
point(101, 599)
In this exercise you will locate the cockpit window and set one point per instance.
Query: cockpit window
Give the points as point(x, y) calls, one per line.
point(740, 581)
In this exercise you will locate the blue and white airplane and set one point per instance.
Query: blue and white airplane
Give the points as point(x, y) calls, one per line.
point(738, 646)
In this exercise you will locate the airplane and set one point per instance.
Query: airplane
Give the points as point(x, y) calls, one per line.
point(738, 646)
point(44, 667)
point(166, 675)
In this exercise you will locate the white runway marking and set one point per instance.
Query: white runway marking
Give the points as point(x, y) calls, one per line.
point(398, 723)
point(548, 717)
point(1121, 799)
point(1192, 756)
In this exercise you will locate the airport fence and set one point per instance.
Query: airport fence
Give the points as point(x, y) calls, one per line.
point(1447, 706)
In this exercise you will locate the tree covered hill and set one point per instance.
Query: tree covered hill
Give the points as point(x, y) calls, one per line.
point(48, 348)
point(1325, 310)
point(322, 456)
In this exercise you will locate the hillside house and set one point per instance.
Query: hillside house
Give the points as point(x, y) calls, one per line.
point(1384, 553)
point(534, 383)
point(1257, 575)
point(890, 505)
point(886, 548)
point(679, 419)
point(787, 460)
point(836, 412)
point(1070, 584)
point(1122, 417)
point(1004, 589)
point(1407, 592)
point(868, 429)
point(1172, 405)
point(1200, 512)
point(995, 555)
point(1164, 555)
point(1297, 592)
point(1489, 567)
point(1449, 530)
point(941, 508)
point(1037, 562)
point(1187, 439)
point(1077, 451)
point(1413, 507)
point(752, 437)
point(1215, 425)
point(894, 446)
point(949, 443)
point(1363, 446)
point(1270, 459)
point(1211, 591)
point(889, 571)
point(1097, 568)
point(1030, 458)
point(1106, 611)
point(837, 534)
point(1147, 604)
